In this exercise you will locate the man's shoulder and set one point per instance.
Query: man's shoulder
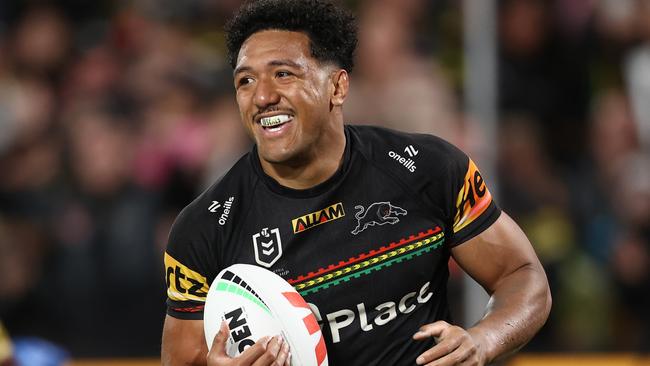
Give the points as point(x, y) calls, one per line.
point(410, 150)
point(222, 193)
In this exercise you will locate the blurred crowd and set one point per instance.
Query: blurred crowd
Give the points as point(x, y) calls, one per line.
point(115, 114)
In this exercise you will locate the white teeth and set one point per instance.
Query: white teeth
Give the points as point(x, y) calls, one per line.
point(275, 120)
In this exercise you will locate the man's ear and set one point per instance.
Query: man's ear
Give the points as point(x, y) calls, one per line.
point(341, 85)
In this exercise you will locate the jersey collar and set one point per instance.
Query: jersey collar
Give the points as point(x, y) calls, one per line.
point(319, 189)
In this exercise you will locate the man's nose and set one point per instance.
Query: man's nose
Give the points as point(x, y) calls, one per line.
point(265, 93)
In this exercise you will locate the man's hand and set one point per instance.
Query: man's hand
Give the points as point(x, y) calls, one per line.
point(454, 346)
point(267, 351)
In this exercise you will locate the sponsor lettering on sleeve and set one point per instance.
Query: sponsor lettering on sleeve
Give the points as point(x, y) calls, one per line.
point(472, 199)
point(184, 284)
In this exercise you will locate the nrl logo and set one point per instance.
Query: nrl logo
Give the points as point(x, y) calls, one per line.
point(378, 213)
point(268, 247)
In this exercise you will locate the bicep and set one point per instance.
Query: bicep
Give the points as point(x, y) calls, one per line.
point(183, 342)
point(497, 252)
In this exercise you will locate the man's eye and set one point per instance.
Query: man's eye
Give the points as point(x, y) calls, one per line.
point(244, 81)
point(282, 74)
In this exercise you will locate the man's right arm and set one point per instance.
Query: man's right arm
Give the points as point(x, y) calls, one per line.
point(187, 262)
point(183, 342)
point(189, 268)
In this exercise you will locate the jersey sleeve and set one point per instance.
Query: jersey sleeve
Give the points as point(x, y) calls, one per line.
point(471, 208)
point(455, 189)
point(188, 263)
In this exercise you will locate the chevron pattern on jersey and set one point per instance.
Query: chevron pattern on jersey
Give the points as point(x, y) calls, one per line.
point(366, 263)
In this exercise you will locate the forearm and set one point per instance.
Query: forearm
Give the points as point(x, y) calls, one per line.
point(516, 311)
point(183, 358)
point(183, 343)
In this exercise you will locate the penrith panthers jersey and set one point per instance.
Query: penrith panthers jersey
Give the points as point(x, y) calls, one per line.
point(367, 249)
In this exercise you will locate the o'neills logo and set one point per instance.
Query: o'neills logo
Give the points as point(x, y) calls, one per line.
point(408, 163)
point(227, 206)
point(310, 220)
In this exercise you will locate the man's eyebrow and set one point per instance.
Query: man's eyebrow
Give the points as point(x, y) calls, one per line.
point(241, 69)
point(282, 62)
point(285, 62)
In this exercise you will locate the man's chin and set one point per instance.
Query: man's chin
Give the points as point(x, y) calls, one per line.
point(286, 158)
point(275, 157)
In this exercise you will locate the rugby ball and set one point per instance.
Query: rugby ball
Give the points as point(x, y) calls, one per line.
point(256, 302)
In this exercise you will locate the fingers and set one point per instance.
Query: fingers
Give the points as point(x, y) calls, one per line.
point(455, 358)
point(453, 345)
point(217, 354)
point(219, 341)
point(265, 352)
point(444, 357)
point(444, 348)
point(275, 353)
point(255, 352)
point(288, 361)
point(433, 330)
point(284, 357)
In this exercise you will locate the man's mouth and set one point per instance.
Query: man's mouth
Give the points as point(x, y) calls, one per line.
point(274, 122)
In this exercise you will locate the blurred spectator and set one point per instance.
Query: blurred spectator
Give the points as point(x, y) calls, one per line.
point(613, 138)
point(30, 158)
point(637, 73)
point(106, 238)
point(544, 75)
point(529, 180)
point(228, 140)
point(394, 86)
point(22, 249)
point(41, 42)
point(631, 252)
point(574, 206)
point(534, 192)
point(99, 152)
point(601, 206)
point(114, 115)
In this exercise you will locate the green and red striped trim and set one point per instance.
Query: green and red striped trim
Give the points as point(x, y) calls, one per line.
point(365, 263)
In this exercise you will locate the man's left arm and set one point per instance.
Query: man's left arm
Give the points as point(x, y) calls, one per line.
point(503, 261)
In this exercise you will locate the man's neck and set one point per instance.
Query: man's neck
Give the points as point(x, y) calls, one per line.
point(316, 167)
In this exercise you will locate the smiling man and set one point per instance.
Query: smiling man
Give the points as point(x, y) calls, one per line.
point(362, 221)
point(290, 103)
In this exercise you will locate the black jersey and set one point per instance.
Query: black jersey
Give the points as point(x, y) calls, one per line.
point(368, 248)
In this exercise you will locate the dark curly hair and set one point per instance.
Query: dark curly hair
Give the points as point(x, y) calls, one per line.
point(332, 30)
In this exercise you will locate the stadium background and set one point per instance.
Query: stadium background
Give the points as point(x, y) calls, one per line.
point(115, 114)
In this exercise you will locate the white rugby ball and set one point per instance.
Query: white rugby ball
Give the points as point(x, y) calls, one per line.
point(256, 302)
